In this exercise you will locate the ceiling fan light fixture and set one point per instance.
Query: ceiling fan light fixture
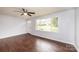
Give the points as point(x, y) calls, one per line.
point(25, 14)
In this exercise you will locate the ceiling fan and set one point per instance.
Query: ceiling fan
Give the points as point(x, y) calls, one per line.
point(25, 12)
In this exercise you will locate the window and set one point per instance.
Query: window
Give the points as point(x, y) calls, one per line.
point(49, 24)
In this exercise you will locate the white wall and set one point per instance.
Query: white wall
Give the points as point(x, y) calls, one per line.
point(11, 26)
point(66, 27)
point(77, 27)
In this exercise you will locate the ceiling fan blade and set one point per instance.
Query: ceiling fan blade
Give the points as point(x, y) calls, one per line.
point(22, 14)
point(31, 12)
point(17, 11)
point(23, 10)
point(26, 10)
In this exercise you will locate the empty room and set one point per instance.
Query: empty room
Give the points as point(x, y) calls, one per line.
point(39, 29)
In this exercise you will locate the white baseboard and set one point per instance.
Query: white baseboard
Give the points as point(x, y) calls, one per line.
point(10, 35)
point(72, 43)
point(76, 47)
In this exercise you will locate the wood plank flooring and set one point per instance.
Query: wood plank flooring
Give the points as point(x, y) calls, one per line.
point(30, 43)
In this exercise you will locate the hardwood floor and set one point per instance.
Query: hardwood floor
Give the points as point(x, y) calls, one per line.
point(30, 43)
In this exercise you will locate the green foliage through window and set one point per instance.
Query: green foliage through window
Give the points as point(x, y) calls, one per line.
point(50, 24)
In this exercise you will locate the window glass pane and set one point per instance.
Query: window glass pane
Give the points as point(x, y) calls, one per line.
point(49, 24)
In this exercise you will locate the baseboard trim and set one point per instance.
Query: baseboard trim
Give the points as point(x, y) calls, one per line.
point(77, 48)
point(13, 35)
point(50, 39)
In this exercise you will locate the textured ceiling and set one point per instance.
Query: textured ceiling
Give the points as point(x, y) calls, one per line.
point(40, 11)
